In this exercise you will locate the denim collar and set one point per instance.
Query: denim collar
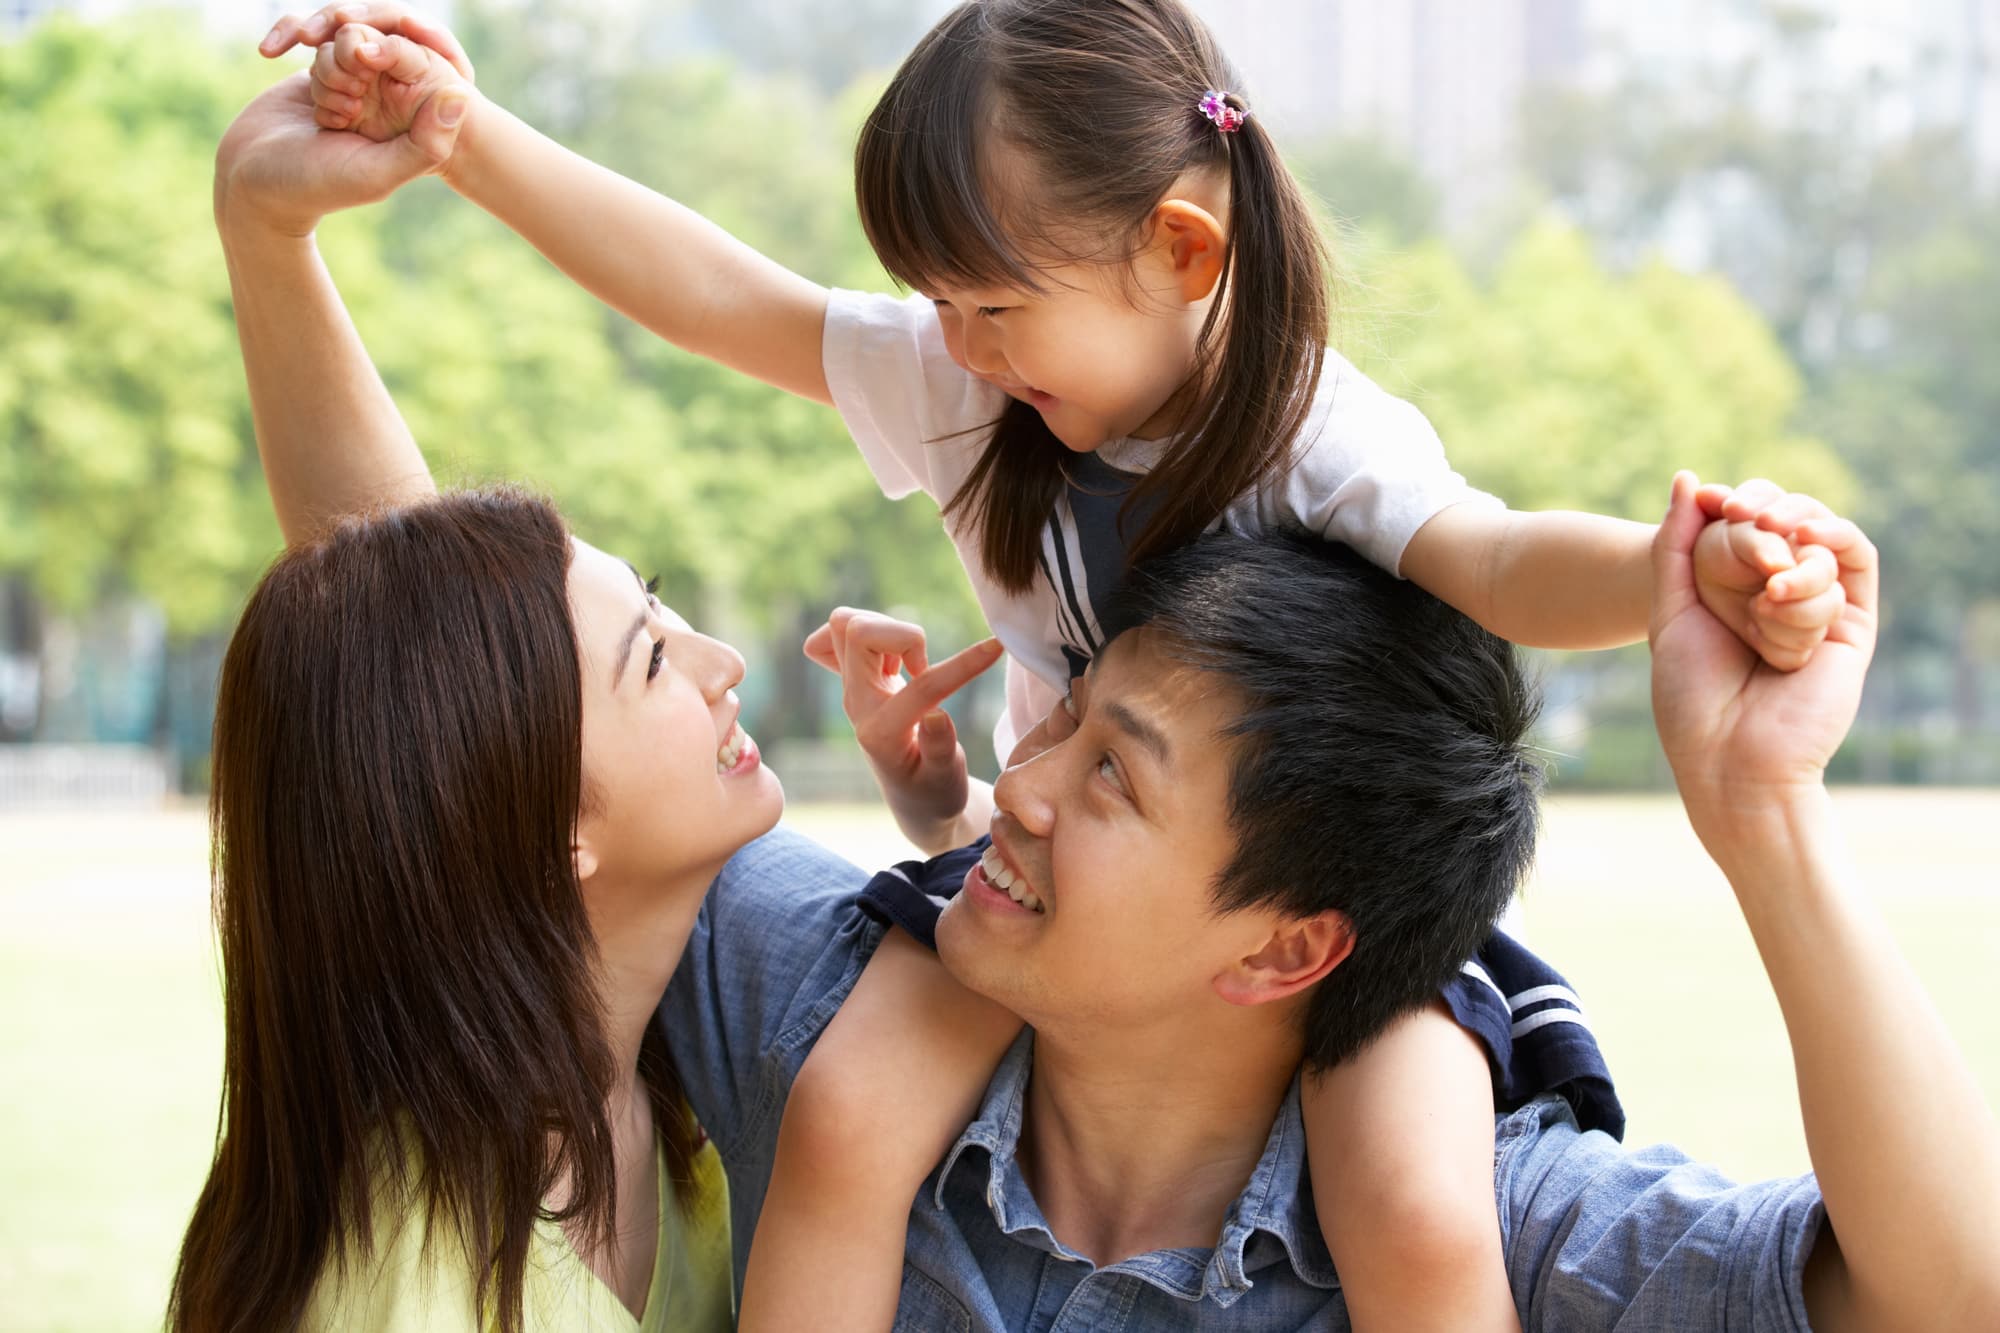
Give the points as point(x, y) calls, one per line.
point(1272, 1218)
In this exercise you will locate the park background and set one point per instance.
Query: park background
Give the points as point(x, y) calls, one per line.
point(1594, 241)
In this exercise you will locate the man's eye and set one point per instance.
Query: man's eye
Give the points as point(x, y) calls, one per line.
point(659, 658)
point(1109, 772)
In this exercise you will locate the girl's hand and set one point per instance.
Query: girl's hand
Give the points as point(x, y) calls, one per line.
point(910, 742)
point(1756, 572)
point(277, 169)
point(374, 83)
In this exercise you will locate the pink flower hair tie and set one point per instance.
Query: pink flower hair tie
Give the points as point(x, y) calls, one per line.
point(1215, 105)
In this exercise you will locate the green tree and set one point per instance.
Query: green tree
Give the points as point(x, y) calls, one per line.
point(1558, 383)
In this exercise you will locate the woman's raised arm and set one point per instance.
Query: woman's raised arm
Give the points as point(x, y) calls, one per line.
point(331, 439)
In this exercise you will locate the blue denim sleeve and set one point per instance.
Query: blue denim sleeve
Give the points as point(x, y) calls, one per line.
point(1601, 1237)
point(777, 946)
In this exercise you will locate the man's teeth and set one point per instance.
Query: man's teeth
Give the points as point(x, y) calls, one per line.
point(1009, 883)
point(732, 749)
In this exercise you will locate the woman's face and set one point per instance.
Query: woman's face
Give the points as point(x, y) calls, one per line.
point(672, 785)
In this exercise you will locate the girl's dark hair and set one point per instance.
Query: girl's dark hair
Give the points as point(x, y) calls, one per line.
point(1100, 99)
point(410, 992)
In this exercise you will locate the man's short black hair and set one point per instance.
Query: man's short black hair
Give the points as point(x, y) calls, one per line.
point(1380, 769)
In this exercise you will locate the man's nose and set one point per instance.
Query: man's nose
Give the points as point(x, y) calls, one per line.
point(1026, 792)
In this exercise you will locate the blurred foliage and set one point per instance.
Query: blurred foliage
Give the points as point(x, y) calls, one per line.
point(1845, 340)
point(1872, 254)
point(1557, 383)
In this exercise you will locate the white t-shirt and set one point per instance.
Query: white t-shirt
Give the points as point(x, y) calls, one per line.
point(1369, 473)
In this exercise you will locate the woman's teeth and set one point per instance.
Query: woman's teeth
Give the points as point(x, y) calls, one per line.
point(1000, 877)
point(732, 749)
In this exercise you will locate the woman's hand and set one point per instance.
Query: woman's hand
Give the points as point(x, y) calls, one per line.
point(277, 169)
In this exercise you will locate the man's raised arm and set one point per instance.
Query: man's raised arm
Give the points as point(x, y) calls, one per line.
point(1905, 1147)
point(331, 440)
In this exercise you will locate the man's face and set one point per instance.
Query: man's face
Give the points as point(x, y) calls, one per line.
point(1110, 839)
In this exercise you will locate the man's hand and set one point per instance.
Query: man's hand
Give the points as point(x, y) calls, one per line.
point(911, 743)
point(277, 168)
point(1739, 732)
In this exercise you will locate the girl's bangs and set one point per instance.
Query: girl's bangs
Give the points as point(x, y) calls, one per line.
point(922, 190)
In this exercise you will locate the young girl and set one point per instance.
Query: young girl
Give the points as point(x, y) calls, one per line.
point(1117, 340)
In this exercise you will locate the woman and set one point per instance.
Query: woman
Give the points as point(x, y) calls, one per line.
point(471, 783)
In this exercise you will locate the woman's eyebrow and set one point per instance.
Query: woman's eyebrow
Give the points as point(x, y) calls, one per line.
point(624, 654)
point(625, 648)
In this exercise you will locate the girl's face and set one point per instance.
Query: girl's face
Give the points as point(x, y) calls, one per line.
point(673, 786)
point(1100, 357)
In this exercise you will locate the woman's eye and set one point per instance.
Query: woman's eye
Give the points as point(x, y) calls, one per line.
point(1069, 704)
point(659, 658)
point(991, 310)
point(1109, 772)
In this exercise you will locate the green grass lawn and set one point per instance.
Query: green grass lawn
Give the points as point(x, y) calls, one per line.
point(111, 1042)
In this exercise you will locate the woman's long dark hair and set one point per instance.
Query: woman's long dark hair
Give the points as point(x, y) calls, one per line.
point(1101, 97)
point(409, 974)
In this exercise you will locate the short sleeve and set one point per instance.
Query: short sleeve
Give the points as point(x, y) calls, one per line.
point(1645, 1242)
point(776, 947)
point(1370, 470)
point(919, 420)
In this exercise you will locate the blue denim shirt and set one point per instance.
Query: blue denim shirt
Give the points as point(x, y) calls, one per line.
point(1595, 1236)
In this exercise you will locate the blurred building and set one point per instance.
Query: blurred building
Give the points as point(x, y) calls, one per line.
point(1441, 81)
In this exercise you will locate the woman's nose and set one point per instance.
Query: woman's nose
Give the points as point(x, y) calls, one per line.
point(721, 668)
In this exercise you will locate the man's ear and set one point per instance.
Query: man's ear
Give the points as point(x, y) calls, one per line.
point(1299, 952)
point(1195, 244)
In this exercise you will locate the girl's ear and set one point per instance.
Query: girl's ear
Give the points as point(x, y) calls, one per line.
point(1195, 245)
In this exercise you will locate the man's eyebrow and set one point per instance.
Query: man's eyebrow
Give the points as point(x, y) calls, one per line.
point(1140, 730)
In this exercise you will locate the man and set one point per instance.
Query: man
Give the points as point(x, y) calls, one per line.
point(1595, 1237)
point(1151, 1111)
